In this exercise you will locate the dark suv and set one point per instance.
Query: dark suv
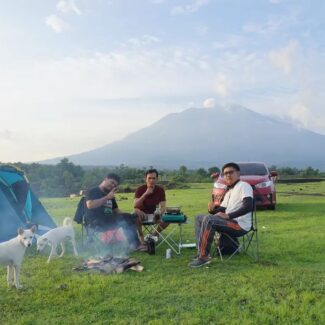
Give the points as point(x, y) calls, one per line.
point(259, 177)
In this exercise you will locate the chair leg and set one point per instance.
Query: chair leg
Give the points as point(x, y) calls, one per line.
point(218, 249)
point(166, 236)
point(256, 246)
point(82, 235)
point(251, 245)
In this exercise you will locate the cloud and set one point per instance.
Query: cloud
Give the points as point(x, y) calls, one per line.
point(141, 41)
point(209, 103)
point(276, 23)
point(273, 24)
point(201, 30)
point(144, 84)
point(64, 7)
point(56, 23)
point(300, 113)
point(283, 58)
point(67, 6)
point(222, 85)
point(74, 93)
point(6, 135)
point(231, 42)
point(189, 8)
point(128, 73)
point(157, 1)
point(275, 1)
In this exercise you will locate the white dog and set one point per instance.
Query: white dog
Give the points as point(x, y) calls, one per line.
point(12, 254)
point(57, 236)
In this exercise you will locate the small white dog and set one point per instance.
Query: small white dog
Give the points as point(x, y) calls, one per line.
point(12, 254)
point(57, 236)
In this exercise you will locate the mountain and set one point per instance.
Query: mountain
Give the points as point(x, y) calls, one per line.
point(199, 137)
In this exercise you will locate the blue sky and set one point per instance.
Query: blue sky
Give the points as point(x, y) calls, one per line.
point(78, 74)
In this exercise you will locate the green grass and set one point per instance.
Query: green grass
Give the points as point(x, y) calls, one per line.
point(287, 286)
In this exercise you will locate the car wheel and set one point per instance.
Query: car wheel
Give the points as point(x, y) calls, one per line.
point(271, 207)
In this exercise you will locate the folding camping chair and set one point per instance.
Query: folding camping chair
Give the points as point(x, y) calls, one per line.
point(248, 243)
point(95, 236)
point(98, 238)
point(173, 235)
point(149, 224)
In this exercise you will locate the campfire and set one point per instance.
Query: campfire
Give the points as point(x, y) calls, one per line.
point(110, 264)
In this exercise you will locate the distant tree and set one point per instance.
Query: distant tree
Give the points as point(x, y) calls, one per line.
point(288, 171)
point(213, 170)
point(182, 170)
point(310, 172)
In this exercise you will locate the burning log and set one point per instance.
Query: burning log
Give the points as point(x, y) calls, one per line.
point(110, 264)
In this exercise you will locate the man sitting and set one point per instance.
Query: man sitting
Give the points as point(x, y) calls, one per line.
point(232, 217)
point(147, 198)
point(103, 213)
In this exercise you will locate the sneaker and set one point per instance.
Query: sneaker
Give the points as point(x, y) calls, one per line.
point(199, 262)
point(196, 256)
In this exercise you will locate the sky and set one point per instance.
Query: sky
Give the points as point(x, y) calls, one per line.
point(79, 74)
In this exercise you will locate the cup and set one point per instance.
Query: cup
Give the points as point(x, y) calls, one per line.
point(150, 217)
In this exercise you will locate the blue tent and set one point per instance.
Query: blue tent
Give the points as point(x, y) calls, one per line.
point(19, 207)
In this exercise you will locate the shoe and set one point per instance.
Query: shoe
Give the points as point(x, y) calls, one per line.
point(195, 257)
point(199, 262)
point(142, 248)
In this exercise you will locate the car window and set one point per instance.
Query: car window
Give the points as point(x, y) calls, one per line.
point(253, 169)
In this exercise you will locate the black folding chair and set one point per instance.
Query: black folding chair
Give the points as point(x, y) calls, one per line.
point(247, 244)
point(90, 236)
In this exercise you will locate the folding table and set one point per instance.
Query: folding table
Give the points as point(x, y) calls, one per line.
point(172, 235)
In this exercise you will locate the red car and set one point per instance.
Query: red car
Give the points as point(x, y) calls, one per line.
point(258, 176)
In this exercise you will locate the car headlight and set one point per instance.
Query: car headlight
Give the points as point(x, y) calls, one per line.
point(264, 184)
point(219, 185)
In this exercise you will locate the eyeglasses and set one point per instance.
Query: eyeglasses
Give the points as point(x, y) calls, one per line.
point(230, 172)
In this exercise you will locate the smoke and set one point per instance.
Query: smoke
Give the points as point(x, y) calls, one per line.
point(119, 240)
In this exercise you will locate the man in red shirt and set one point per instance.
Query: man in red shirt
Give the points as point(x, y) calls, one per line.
point(147, 198)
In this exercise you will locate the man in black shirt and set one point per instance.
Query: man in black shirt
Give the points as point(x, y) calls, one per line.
point(103, 213)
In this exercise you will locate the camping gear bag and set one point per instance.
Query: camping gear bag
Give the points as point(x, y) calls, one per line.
point(81, 210)
point(228, 244)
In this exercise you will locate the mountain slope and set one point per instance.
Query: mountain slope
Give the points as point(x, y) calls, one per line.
point(206, 137)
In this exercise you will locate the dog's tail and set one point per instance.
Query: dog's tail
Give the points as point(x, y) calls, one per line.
point(67, 221)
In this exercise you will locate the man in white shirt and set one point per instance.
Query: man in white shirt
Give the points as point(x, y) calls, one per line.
point(232, 217)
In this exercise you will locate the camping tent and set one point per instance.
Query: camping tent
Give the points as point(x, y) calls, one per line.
point(19, 207)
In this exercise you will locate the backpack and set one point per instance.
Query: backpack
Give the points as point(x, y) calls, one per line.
point(81, 211)
point(228, 246)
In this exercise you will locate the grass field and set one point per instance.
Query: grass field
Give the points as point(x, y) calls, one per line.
point(287, 285)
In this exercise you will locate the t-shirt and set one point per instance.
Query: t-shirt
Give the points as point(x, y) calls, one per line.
point(233, 200)
point(152, 200)
point(107, 208)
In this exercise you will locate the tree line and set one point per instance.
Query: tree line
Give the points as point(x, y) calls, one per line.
point(66, 178)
